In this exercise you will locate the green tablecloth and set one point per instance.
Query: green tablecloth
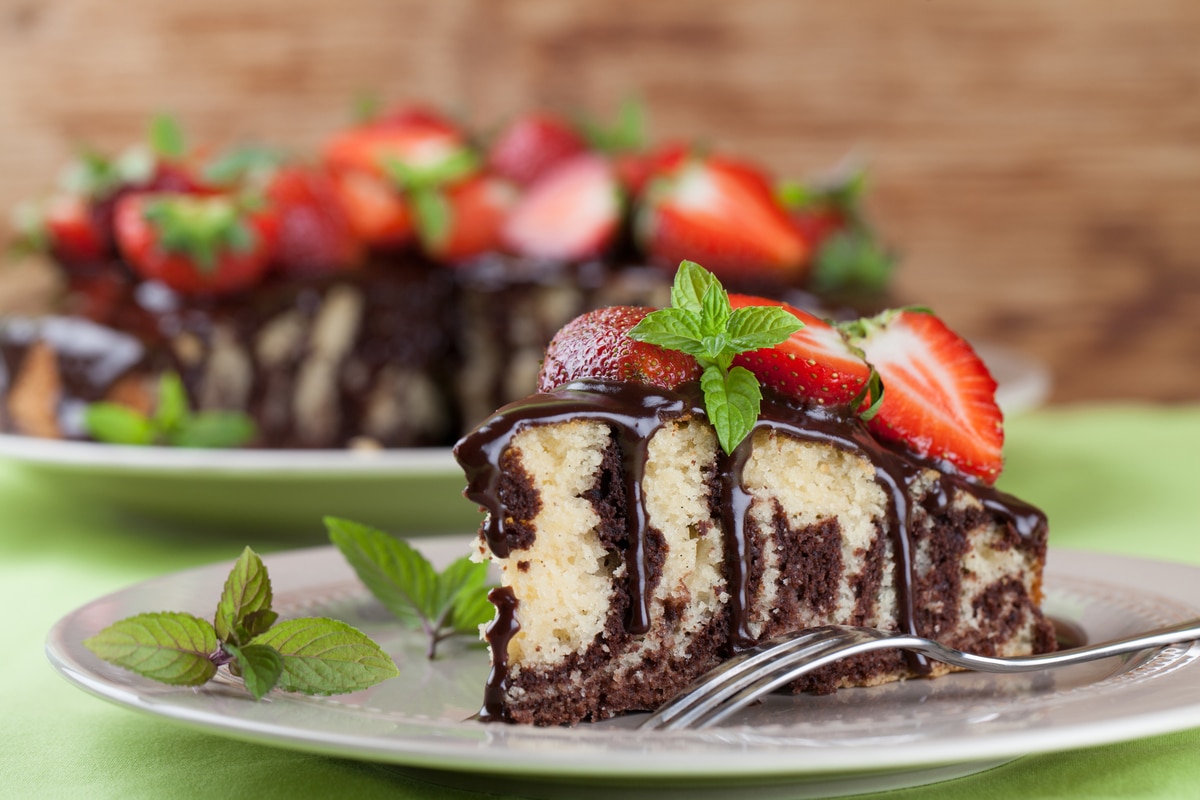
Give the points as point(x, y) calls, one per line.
point(1117, 479)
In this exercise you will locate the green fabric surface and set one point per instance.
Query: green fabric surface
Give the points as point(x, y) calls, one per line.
point(1116, 479)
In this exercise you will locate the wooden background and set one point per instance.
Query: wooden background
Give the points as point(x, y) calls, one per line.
point(1037, 162)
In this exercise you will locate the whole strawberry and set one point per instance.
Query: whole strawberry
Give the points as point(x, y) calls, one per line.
point(938, 397)
point(193, 243)
point(531, 145)
point(315, 236)
point(595, 345)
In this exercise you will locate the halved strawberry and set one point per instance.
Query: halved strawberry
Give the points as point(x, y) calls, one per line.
point(722, 214)
point(376, 210)
point(595, 345)
point(314, 234)
point(815, 365)
point(464, 219)
point(572, 212)
point(416, 139)
point(531, 145)
point(194, 244)
point(938, 396)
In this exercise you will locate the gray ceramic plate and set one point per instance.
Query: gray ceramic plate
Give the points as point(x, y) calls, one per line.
point(854, 741)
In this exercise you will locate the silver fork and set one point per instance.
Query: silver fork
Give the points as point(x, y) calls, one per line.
point(773, 664)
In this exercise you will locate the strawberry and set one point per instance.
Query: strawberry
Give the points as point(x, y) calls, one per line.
point(571, 213)
point(74, 235)
point(416, 139)
point(722, 214)
point(314, 234)
point(376, 210)
point(194, 244)
point(595, 345)
point(464, 219)
point(815, 364)
point(938, 396)
point(635, 169)
point(531, 145)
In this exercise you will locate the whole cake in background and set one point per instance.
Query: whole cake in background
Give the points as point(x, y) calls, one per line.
point(690, 481)
point(403, 284)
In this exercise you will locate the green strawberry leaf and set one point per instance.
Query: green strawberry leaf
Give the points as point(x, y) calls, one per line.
point(701, 323)
point(247, 592)
point(116, 424)
point(168, 647)
point(432, 213)
point(166, 138)
point(259, 666)
point(326, 656)
point(247, 163)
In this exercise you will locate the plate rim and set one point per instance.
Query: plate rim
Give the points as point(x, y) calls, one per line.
point(698, 764)
point(30, 450)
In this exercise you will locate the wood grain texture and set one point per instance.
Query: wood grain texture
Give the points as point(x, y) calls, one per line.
point(1037, 162)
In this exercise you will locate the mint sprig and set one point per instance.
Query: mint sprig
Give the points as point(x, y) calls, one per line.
point(313, 655)
point(701, 322)
point(443, 605)
point(172, 422)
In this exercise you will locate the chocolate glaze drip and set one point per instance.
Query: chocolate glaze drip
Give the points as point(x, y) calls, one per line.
point(499, 633)
point(636, 411)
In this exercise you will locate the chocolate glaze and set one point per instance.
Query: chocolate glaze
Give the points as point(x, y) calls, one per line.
point(636, 411)
point(499, 633)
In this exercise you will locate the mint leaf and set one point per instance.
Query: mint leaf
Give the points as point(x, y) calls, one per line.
point(691, 284)
point(313, 655)
point(172, 402)
point(702, 323)
point(394, 572)
point(732, 400)
point(433, 216)
point(213, 429)
point(115, 424)
point(326, 656)
point(168, 647)
point(172, 423)
point(442, 605)
point(459, 586)
point(247, 592)
point(258, 665)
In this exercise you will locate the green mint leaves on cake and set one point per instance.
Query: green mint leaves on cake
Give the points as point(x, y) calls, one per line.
point(701, 322)
point(315, 656)
point(172, 422)
point(441, 604)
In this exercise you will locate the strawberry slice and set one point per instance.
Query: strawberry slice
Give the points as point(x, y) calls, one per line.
point(531, 146)
point(570, 214)
point(464, 219)
point(721, 213)
point(595, 345)
point(376, 210)
point(815, 365)
point(938, 397)
point(416, 139)
point(194, 244)
point(315, 236)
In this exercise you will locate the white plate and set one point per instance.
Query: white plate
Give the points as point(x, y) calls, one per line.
point(289, 491)
point(856, 740)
